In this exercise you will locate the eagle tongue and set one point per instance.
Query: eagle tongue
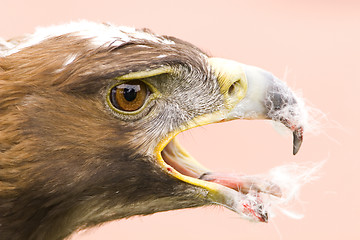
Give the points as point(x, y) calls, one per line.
point(242, 183)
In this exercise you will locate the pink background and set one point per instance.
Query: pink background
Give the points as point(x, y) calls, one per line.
point(315, 42)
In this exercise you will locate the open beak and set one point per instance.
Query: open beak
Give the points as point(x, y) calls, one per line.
point(249, 93)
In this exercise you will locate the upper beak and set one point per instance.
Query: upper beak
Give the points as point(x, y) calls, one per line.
point(253, 93)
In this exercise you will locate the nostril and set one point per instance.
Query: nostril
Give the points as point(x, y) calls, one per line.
point(235, 87)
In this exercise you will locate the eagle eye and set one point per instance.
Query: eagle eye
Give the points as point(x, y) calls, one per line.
point(129, 96)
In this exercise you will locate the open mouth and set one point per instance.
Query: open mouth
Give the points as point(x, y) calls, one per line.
point(240, 193)
point(249, 93)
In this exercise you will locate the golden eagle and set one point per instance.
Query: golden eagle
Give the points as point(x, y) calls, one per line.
point(88, 118)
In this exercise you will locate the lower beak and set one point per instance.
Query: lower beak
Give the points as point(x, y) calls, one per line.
point(253, 93)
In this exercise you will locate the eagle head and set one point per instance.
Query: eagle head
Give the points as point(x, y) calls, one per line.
point(88, 118)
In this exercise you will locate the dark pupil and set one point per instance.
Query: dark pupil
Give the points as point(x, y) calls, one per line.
point(130, 93)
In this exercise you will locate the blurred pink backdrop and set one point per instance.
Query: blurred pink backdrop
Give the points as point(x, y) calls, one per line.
point(316, 44)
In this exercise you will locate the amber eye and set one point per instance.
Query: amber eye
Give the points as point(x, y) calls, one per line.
point(129, 96)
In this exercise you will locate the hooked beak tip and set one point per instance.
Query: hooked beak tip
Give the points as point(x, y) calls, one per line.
point(297, 139)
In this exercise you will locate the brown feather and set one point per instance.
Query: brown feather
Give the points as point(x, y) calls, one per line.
point(66, 161)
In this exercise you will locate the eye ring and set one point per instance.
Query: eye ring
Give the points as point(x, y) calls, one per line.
point(130, 97)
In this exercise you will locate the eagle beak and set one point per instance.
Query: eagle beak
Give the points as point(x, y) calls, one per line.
point(253, 93)
point(248, 93)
